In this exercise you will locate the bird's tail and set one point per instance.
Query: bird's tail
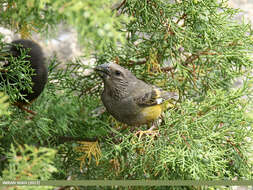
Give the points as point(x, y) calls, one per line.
point(170, 95)
point(170, 99)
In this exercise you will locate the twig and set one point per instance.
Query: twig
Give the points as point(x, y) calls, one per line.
point(186, 141)
point(63, 139)
point(3, 70)
point(236, 149)
point(137, 62)
point(182, 17)
point(97, 111)
point(117, 5)
point(88, 90)
point(20, 106)
point(168, 68)
point(193, 57)
point(3, 158)
point(194, 72)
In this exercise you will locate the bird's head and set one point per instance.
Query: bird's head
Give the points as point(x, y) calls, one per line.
point(113, 73)
point(114, 76)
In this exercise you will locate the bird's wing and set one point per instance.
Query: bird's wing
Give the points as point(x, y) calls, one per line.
point(155, 96)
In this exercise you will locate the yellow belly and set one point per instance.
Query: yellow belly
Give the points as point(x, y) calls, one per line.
point(152, 112)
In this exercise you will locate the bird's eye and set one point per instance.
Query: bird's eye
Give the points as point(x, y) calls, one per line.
point(118, 73)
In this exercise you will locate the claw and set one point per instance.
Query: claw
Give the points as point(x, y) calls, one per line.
point(148, 132)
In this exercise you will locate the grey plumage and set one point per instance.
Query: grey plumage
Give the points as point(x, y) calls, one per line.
point(129, 99)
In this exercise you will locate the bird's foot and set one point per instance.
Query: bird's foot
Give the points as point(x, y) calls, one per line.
point(151, 132)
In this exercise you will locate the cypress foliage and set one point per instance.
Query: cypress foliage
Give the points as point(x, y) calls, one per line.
point(194, 47)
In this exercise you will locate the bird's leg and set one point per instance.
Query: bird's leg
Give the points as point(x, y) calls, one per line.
point(154, 125)
point(152, 128)
point(150, 131)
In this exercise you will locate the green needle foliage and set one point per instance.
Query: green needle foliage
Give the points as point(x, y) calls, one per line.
point(95, 23)
point(27, 16)
point(30, 163)
point(204, 145)
point(3, 105)
point(196, 48)
point(16, 74)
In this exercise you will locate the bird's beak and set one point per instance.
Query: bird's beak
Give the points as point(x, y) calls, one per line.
point(103, 69)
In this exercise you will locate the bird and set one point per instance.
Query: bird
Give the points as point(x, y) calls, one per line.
point(35, 58)
point(129, 99)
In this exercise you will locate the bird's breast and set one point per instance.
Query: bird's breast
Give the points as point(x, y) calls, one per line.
point(127, 111)
point(151, 113)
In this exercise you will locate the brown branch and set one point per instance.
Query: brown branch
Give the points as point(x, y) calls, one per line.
point(236, 149)
point(22, 107)
point(63, 139)
point(172, 74)
point(208, 53)
point(3, 158)
point(90, 89)
point(3, 70)
point(170, 69)
point(193, 57)
point(117, 5)
point(185, 140)
point(182, 17)
point(194, 72)
point(136, 62)
point(171, 31)
point(164, 69)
